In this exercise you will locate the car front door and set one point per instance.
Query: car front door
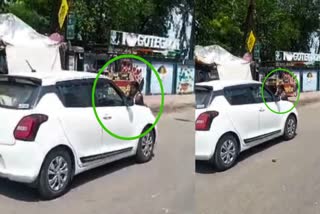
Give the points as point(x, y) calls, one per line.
point(243, 111)
point(270, 122)
point(78, 121)
point(115, 115)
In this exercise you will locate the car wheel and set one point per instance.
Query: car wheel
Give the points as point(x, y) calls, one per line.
point(145, 148)
point(226, 153)
point(290, 128)
point(55, 175)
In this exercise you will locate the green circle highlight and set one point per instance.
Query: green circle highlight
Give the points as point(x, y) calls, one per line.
point(298, 89)
point(126, 56)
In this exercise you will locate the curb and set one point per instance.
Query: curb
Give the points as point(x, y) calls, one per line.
point(172, 108)
point(306, 101)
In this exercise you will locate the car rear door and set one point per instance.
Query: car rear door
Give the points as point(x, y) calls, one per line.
point(77, 118)
point(18, 96)
point(243, 111)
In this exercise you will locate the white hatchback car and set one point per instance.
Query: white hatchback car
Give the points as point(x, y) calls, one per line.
point(49, 133)
point(231, 117)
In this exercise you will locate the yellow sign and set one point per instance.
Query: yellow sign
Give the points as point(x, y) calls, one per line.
point(251, 42)
point(63, 11)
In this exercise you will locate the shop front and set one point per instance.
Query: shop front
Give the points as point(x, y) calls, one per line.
point(176, 74)
point(305, 67)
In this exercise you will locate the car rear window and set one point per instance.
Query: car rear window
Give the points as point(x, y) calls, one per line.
point(18, 93)
point(204, 96)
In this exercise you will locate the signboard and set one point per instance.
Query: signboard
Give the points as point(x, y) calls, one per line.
point(63, 11)
point(165, 70)
point(71, 27)
point(309, 82)
point(251, 41)
point(119, 38)
point(296, 57)
point(256, 51)
point(185, 79)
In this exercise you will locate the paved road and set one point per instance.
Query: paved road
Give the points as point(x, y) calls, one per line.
point(277, 177)
point(164, 185)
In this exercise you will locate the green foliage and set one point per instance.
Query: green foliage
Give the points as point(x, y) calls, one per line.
point(96, 18)
point(279, 25)
point(35, 13)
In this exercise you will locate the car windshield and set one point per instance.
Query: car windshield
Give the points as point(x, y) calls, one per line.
point(204, 95)
point(17, 93)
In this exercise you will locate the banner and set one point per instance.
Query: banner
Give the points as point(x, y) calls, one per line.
point(119, 38)
point(185, 79)
point(309, 81)
point(165, 71)
point(284, 56)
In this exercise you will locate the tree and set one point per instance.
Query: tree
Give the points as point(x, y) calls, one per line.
point(35, 13)
point(96, 18)
point(220, 22)
point(280, 25)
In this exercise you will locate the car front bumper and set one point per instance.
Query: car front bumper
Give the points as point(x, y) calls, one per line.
point(21, 162)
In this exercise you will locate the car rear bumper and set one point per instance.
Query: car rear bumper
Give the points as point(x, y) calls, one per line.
point(205, 144)
point(21, 162)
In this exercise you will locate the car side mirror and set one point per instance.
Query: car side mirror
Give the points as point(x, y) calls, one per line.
point(129, 101)
point(277, 98)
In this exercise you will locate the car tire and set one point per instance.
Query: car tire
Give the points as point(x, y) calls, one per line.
point(290, 127)
point(226, 153)
point(145, 147)
point(55, 175)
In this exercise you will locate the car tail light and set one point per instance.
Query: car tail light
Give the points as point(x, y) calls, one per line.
point(28, 127)
point(203, 122)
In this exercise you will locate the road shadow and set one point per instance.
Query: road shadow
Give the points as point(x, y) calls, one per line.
point(22, 192)
point(203, 167)
point(18, 191)
point(101, 171)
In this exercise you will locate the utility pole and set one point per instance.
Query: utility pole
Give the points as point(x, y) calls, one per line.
point(54, 25)
point(193, 37)
point(250, 21)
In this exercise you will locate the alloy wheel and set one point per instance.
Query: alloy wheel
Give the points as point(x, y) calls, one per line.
point(291, 127)
point(147, 144)
point(58, 173)
point(228, 152)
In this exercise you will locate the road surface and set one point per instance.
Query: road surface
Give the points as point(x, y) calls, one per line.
point(164, 185)
point(274, 178)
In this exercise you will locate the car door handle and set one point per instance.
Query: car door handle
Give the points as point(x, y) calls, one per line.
point(107, 117)
point(262, 110)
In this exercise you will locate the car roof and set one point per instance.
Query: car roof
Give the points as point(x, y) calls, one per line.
point(51, 78)
point(221, 84)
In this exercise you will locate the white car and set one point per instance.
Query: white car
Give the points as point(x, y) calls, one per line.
point(231, 117)
point(49, 133)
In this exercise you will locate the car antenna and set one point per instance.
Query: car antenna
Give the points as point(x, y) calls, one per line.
point(32, 70)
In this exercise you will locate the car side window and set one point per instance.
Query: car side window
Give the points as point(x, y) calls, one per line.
point(239, 95)
point(75, 94)
point(106, 95)
point(258, 96)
